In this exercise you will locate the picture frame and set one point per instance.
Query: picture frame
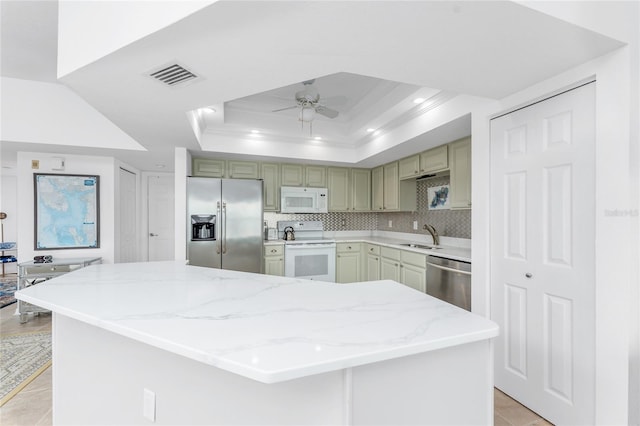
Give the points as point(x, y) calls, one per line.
point(438, 197)
point(66, 211)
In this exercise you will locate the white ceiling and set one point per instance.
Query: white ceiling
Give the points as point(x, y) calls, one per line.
point(371, 58)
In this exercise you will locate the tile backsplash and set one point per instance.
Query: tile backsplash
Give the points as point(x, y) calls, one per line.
point(450, 223)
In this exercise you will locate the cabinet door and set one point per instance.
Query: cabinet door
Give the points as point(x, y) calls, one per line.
point(274, 265)
point(391, 185)
point(409, 167)
point(389, 269)
point(373, 267)
point(243, 169)
point(292, 175)
point(360, 190)
point(316, 176)
point(460, 195)
point(413, 276)
point(339, 199)
point(377, 188)
point(434, 160)
point(348, 267)
point(208, 167)
point(270, 174)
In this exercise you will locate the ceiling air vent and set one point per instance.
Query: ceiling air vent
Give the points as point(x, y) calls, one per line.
point(173, 75)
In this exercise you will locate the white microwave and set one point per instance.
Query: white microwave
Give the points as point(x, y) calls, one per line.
point(296, 199)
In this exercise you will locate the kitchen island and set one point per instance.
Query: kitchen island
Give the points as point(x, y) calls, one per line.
point(182, 344)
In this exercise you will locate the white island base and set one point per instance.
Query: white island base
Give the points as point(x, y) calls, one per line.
point(99, 377)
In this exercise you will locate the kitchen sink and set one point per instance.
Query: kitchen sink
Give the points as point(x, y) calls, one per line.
point(420, 246)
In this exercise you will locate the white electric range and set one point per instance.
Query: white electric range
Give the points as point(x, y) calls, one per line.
point(309, 255)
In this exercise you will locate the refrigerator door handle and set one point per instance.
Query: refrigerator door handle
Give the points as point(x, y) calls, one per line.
point(218, 243)
point(224, 230)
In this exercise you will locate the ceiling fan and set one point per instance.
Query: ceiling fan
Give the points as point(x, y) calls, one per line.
point(308, 101)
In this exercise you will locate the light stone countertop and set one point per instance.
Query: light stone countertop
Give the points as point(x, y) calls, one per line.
point(388, 240)
point(263, 327)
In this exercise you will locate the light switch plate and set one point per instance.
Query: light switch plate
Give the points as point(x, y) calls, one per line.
point(415, 224)
point(390, 223)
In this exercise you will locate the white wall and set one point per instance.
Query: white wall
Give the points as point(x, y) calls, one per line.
point(74, 164)
point(8, 201)
point(182, 168)
point(50, 113)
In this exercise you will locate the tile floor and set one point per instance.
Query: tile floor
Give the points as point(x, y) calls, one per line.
point(32, 406)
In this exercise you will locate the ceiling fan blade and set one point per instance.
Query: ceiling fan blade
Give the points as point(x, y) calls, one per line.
point(334, 100)
point(284, 109)
point(327, 112)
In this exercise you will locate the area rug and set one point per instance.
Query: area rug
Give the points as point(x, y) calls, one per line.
point(7, 290)
point(24, 357)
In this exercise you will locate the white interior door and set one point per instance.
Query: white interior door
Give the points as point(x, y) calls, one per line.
point(128, 195)
point(542, 255)
point(160, 217)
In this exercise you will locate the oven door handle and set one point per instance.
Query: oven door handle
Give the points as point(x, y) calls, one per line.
point(307, 246)
point(448, 269)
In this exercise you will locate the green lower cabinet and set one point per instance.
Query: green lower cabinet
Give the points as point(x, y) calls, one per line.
point(413, 276)
point(389, 269)
point(348, 262)
point(274, 260)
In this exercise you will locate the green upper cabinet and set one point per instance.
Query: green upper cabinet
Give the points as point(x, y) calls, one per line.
point(292, 175)
point(434, 160)
point(409, 167)
point(208, 167)
point(377, 189)
point(270, 174)
point(360, 190)
point(339, 197)
point(460, 185)
point(242, 169)
point(398, 195)
point(315, 176)
point(431, 161)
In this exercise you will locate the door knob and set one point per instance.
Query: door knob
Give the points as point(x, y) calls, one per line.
point(528, 275)
point(153, 235)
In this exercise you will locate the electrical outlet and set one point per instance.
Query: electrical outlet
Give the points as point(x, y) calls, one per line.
point(390, 223)
point(35, 164)
point(415, 225)
point(149, 405)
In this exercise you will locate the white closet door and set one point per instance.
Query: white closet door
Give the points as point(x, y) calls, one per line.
point(542, 251)
point(161, 217)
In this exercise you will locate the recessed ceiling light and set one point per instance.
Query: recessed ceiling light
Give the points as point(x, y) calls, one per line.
point(419, 100)
point(318, 138)
point(160, 166)
point(255, 132)
point(376, 133)
point(371, 130)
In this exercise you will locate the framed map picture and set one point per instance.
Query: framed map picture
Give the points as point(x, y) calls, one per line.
point(67, 211)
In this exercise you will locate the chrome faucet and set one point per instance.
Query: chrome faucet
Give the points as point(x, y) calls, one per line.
point(434, 234)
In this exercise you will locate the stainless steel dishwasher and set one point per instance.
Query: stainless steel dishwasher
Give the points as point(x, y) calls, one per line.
point(449, 280)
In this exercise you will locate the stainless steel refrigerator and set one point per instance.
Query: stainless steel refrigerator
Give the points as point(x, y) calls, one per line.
point(225, 223)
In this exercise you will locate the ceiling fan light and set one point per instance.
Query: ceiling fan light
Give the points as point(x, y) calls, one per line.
point(307, 114)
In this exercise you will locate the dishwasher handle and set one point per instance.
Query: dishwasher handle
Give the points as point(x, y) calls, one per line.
point(459, 271)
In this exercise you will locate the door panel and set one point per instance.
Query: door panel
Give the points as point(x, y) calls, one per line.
point(542, 255)
point(161, 217)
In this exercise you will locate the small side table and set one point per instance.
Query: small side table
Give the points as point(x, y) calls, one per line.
point(31, 273)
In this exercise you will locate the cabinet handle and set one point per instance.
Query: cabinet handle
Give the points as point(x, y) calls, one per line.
point(349, 247)
point(415, 171)
point(273, 250)
point(528, 275)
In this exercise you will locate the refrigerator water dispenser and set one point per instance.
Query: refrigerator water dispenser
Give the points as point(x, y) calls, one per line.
point(203, 227)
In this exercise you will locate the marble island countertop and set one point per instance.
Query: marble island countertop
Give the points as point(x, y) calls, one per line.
point(266, 328)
